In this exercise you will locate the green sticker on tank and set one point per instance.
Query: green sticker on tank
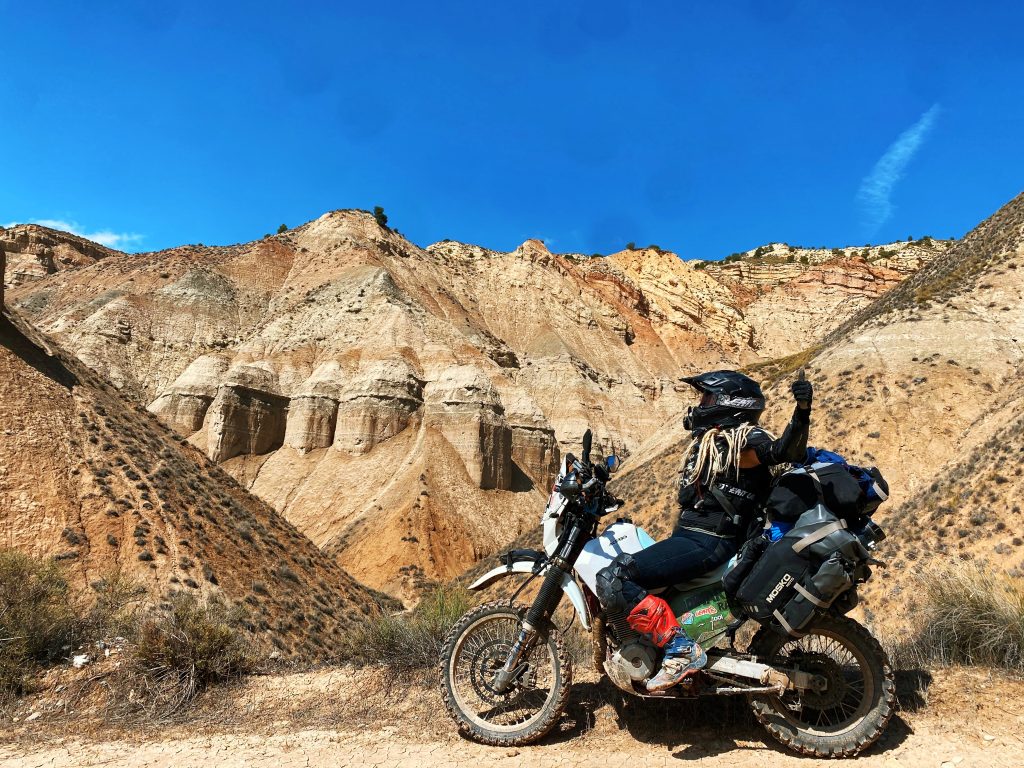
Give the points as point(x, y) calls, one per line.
point(703, 615)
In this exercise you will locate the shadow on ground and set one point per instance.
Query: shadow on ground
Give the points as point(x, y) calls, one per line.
point(709, 726)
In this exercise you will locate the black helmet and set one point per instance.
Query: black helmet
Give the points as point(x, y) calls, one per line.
point(730, 399)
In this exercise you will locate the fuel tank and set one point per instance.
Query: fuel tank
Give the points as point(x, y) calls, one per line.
point(619, 537)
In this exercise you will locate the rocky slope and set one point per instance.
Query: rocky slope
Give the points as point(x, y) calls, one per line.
point(33, 252)
point(796, 296)
point(406, 407)
point(926, 373)
point(103, 487)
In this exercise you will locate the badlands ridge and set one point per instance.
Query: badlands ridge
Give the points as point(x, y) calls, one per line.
point(405, 407)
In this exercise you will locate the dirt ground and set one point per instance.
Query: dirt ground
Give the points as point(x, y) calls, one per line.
point(947, 719)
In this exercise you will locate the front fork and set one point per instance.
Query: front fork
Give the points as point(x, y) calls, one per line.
point(537, 618)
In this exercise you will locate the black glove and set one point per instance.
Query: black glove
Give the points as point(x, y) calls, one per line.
point(803, 393)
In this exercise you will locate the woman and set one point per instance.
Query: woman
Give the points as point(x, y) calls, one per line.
point(726, 478)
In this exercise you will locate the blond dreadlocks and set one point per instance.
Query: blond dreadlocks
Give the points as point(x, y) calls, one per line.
point(714, 453)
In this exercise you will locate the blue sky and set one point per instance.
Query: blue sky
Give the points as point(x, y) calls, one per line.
point(703, 129)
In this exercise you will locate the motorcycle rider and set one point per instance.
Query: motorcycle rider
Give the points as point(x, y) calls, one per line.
point(726, 478)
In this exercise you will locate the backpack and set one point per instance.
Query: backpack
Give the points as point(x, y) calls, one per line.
point(800, 575)
point(870, 480)
point(850, 492)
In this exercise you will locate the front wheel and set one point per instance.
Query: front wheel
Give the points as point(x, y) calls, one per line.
point(474, 651)
point(855, 702)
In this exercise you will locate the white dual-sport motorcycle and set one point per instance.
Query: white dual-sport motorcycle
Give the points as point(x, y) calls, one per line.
point(505, 674)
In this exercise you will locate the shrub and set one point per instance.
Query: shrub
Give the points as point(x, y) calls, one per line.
point(36, 617)
point(114, 613)
point(967, 614)
point(380, 216)
point(191, 647)
point(408, 641)
point(282, 228)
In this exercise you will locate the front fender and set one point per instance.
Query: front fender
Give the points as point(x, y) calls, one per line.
point(569, 585)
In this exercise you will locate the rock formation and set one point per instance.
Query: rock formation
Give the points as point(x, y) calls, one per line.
point(33, 252)
point(535, 451)
point(313, 409)
point(248, 414)
point(365, 386)
point(378, 402)
point(183, 406)
point(464, 407)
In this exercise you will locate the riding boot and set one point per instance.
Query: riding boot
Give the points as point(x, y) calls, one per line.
point(683, 657)
point(654, 619)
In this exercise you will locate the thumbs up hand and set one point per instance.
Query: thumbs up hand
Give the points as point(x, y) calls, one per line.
point(803, 393)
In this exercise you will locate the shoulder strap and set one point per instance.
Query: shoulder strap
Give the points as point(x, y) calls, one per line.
point(727, 505)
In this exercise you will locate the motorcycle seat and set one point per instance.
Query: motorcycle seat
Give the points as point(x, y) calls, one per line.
point(711, 577)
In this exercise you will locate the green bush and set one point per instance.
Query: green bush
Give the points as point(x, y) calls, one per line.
point(191, 647)
point(409, 641)
point(966, 614)
point(380, 216)
point(37, 620)
point(282, 228)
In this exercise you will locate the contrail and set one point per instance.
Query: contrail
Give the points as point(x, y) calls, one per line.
point(875, 193)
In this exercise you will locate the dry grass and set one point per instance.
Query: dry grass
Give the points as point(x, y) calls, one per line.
point(966, 614)
point(191, 647)
point(770, 371)
point(171, 656)
point(410, 641)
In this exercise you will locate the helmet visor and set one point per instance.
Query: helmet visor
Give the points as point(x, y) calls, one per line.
point(707, 399)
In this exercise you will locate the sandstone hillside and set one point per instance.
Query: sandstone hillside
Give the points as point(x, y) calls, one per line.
point(406, 407)
point(33, 252)
point(795, 296)
point(102, 486)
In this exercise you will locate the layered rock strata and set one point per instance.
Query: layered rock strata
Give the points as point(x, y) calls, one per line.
point(464, 407)
point(376, 391)
point(380, 401)
point(247, 415)
point(35, 252)
point(183, 406)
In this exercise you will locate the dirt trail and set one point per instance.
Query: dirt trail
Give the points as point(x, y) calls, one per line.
point(390, 747)
point(970, 719)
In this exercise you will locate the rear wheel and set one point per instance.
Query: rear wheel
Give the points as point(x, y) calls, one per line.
point(474, 651)
point(855, 701)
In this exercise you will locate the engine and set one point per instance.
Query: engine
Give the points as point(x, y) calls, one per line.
point(633, 662)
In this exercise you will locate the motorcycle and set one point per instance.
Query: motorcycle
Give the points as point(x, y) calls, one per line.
point(505, 675)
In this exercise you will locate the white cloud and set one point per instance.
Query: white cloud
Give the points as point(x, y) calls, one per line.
point(109, 238)
point(875, 193)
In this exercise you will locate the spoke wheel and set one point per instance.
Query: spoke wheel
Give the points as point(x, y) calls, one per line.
point(474, 651)
point(851, 700)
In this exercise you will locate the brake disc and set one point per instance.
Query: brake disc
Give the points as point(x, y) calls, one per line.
point(487, 662)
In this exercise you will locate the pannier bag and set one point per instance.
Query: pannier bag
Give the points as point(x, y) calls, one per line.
point(802, 573)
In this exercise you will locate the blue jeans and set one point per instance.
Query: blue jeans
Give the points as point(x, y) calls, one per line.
point(683, 556)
